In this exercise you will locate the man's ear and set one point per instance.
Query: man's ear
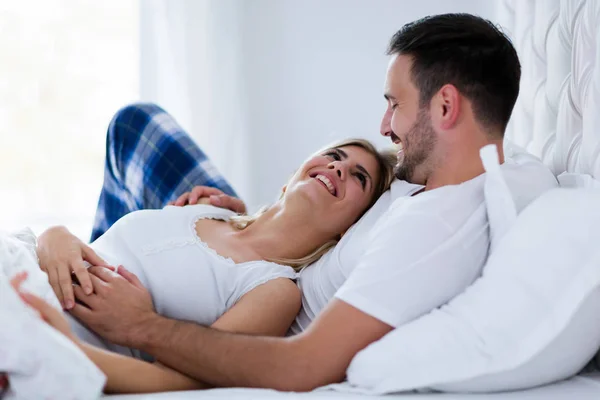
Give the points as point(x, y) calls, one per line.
point(446, 107)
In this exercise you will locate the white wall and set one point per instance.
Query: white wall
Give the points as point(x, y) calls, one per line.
point(287, 77)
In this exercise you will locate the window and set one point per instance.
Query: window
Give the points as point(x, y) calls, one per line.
point(67, 66)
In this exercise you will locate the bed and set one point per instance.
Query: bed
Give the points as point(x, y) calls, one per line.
point(557, 118)
point(579, 387)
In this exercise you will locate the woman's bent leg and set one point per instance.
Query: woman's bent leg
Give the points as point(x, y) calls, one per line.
point(150, 160)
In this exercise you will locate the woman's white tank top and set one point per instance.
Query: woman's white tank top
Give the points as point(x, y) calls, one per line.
point(186, 279)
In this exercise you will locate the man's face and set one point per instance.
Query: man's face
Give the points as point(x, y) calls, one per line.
point(407, 125)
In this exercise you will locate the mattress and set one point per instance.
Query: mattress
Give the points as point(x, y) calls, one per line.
point(581, 387)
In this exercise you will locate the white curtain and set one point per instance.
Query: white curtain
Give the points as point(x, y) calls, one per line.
point(191, 62)
point(260, 84)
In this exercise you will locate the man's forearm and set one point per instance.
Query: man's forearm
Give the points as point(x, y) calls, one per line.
point(225, 359)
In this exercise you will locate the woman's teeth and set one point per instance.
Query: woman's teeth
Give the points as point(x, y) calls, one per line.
point(327, 183)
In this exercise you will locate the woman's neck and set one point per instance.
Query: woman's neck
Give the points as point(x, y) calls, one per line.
point(280, 233)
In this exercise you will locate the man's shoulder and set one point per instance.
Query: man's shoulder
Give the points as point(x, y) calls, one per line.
point(462, 199)
point(399, 190)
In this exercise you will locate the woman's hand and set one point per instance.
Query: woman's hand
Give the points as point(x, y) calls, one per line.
point(49, 314)
point(212, 196)
point(61, 253)
point(123, 374)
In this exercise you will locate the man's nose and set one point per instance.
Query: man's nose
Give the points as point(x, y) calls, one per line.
point(386, 127)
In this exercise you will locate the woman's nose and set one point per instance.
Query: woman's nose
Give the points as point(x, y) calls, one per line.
point(338, 169)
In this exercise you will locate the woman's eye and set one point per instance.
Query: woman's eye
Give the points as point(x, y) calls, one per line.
point(362, 179)
point(334, 155)
point(394, 106)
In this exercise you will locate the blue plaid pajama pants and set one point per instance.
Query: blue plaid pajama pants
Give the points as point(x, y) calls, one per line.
point(150, 160)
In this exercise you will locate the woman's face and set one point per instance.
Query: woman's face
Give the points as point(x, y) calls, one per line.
point(337, 185)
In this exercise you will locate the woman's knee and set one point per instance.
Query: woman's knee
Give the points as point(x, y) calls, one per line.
point(133, 119)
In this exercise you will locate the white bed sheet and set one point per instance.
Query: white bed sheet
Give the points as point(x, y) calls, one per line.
point(581, 387)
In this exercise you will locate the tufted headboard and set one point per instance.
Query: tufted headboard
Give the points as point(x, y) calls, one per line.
point(557, 115)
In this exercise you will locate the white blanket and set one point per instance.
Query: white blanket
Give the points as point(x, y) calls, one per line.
point(39, 361)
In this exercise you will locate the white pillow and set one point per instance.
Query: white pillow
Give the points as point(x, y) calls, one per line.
point(39, 361)
point(532, 318)
point(500, 206)
point(571, 180)
point(511, 187)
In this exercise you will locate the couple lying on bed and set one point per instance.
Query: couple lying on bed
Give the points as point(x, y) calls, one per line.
point(216, 268)
point(207, 293)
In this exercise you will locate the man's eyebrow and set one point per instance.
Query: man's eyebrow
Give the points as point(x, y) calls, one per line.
point(389, 97)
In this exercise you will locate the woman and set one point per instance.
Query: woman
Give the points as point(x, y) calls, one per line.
point(210, 266)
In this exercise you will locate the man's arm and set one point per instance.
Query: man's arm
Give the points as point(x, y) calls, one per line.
point(404, 274)
point(314, 358)
point(122, 312)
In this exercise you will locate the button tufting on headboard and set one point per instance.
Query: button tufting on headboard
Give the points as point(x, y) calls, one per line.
point(557, 115)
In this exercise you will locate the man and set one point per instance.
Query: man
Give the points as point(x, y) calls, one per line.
point(450, 88)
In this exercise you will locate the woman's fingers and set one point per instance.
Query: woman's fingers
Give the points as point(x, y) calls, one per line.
point(59, 251)
point(48, 313)
point(83, 276)
point(90, 256)
point(18, 280)
point(53, 279)
point(66, 286)
point(36, 303)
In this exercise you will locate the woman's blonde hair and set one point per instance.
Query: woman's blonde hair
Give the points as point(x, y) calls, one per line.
point(386, 160)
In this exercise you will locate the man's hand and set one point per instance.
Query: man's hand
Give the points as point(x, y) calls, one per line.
point(119, 306)
point(210, 195)
point(61, 253)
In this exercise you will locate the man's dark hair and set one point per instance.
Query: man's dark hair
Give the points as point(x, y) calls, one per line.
point(468, 52)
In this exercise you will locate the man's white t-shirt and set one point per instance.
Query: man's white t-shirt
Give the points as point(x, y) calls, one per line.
point(411, 254)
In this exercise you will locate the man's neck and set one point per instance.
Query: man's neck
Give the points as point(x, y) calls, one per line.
point(462, 164)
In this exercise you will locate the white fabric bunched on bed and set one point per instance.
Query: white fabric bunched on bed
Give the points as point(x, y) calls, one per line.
point(40, 362)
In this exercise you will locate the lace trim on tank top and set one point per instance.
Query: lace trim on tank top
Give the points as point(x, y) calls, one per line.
point(194, 239)
point(228, 260)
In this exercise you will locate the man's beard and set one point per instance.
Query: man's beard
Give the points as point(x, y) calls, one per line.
point(418, 145)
